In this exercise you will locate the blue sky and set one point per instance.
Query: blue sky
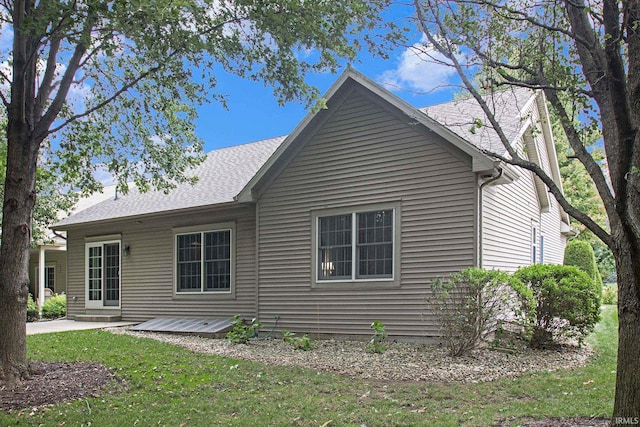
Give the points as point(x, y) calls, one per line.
point(254, 113)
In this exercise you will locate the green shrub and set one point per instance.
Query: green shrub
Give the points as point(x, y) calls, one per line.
point(55, 307)
point(474, 303)
point(567, 302)
point(376, 343)
point(32, 310)
point(610, 294)
point(299, 343)
point(241, 331)
point(580, 254)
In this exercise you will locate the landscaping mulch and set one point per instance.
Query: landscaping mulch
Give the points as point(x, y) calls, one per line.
point(55, 382)
point(400, 362)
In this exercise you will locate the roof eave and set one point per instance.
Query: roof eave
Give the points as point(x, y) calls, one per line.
point(145, 216)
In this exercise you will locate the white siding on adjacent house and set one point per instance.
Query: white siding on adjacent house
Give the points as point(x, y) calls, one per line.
point(362, 156)
point(510, 211)
point(57, 260)
point(147, 276)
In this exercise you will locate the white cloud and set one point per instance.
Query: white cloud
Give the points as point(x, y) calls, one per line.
point(420, 69)
point(103, 176)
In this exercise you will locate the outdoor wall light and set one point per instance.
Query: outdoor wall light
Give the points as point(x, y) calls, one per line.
point(127, 250)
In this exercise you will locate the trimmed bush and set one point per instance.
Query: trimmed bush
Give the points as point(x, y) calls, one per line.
point(567, 302)
point(55, 307)
point(32, 310)
point(474, 303)
point(580, 254)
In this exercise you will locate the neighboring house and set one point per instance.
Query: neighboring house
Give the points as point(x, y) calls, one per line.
point(346, 220)
point(48, 259)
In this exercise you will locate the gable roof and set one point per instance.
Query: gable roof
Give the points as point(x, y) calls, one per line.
point(230, 174)
point(221, 176)
point(349, 79)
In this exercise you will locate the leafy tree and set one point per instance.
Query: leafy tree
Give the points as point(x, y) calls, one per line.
point(581, 192)
point(583, 56)
point(52, 198)
point(116, 83)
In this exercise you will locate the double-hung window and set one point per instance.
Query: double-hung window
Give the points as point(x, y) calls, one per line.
point(356, 246)
point(204, 261)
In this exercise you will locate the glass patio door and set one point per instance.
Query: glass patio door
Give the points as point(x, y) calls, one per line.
point(103, 275)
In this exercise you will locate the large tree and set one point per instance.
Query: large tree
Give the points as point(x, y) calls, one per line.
point(53, 198)
point(585, 56)
point(116, 83)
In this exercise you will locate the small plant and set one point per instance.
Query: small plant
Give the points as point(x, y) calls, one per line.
point(287, 336)
point(32, 310)
point(376, 344)
point(241, 331)
point(304, 343)
point(610, 294)
point(299, 343)
point(473, 303)
point(55, 307)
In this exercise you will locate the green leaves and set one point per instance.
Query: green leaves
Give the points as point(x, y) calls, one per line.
point(146, 65)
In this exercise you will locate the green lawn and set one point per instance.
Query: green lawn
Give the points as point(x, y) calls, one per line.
point(171, 386)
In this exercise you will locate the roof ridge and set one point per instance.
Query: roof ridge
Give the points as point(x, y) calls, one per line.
point(242, 144)
point(471, 98)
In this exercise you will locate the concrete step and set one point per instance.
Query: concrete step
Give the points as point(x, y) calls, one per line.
point(97, 317)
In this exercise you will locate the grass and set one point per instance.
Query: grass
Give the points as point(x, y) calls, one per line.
point(171, 386)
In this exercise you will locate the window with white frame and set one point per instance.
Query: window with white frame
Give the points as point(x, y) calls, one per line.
point(49, 276)
point(356, 245)
point(204, 261)
point(535, 244)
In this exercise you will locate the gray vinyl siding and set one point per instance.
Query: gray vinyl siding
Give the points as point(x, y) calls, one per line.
point(147, 274)
point(509, 212)
point(365, 156)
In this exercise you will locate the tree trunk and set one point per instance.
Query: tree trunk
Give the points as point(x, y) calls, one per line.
point(19, 200)
point(627, 399)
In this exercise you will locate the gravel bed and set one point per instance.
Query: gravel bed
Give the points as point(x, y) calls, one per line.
point(401, 362)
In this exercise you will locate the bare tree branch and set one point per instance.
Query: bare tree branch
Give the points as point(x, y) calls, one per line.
point(514, 158)
point(46, 86)
point(134, 81)
point(518, 15)
point(557, 193)
point(42, 128)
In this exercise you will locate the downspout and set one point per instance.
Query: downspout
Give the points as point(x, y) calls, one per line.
point(480, 202)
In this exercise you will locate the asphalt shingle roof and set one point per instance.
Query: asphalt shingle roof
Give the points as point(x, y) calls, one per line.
point(222, 176)
point(225, 172)
point(458, 116)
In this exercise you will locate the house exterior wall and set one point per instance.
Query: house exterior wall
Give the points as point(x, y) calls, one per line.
point(365, 156)
point(147, 273)
point(55, 258)
point(510, 211)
